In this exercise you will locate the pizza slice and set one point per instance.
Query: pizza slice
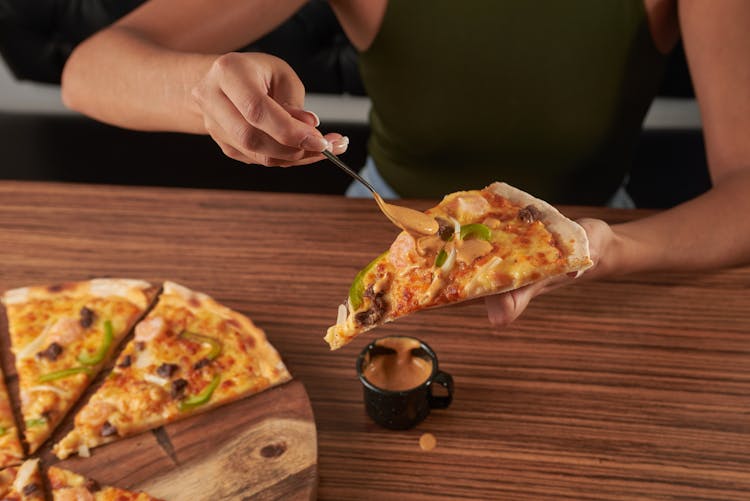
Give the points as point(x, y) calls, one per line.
point(61, 336)
point(11, 451)
point(189, 355)
point(22, 483)
point(69, 486)
point(489, 241)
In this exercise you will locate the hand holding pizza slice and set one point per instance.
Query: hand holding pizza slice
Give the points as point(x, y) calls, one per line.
point(490, 241)
point(503, 309)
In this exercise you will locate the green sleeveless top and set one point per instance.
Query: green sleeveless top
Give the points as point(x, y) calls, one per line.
point(547, 95)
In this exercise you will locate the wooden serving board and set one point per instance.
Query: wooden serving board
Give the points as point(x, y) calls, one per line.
point(260, 447)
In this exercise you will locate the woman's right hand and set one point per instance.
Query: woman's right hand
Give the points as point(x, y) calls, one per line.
point(252, 106)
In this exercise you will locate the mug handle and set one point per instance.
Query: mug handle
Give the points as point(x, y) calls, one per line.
point(446, 381)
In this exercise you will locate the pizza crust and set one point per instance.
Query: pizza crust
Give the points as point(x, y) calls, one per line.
point(11, 451)
point(66, 484)
point(130, 289)
point(568, 232)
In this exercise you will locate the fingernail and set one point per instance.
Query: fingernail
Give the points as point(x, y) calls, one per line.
point(317, 119)
point(315, 143)
point(340, 144)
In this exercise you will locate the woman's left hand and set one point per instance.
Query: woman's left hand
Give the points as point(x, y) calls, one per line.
point(502, 309)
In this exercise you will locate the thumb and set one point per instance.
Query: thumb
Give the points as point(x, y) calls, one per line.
point(303, 115)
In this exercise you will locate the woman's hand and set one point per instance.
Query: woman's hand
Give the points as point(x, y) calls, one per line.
point(502, 309)
point(252, 106)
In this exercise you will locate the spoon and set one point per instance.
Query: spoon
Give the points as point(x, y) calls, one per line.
point(410, 220)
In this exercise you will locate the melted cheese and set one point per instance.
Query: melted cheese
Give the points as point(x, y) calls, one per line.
point(119, 287)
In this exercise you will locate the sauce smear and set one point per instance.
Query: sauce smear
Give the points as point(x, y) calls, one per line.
point(411, 221)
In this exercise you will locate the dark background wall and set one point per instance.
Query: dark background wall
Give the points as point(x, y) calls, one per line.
point(669, 164)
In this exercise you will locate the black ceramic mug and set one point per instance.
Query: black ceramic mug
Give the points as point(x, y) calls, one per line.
point(403, 409)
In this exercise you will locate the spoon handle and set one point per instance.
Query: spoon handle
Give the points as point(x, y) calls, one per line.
point(336, 160)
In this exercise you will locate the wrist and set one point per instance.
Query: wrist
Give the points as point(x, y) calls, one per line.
point(613, 249)
point(194, 76)
point(626, 253)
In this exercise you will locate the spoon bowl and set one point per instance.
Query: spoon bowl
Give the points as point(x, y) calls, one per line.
point(411, 221)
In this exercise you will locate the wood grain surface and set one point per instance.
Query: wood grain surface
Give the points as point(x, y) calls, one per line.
point(263, 447)
point(635, 388)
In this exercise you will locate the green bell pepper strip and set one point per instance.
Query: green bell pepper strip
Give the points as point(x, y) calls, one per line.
point(30, 423)
point(202, 397)
point(3, 430)
point(215, 344)
point(357, 289)
point(477, 230)
point(98, 356)
point(54, 376)
point(441, 257)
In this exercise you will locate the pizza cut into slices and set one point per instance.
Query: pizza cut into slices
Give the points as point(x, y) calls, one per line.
point(190, 354)
point(22, 483)
point(61, 336)
point(11, 452)
point(69, 486)
point(489, 241)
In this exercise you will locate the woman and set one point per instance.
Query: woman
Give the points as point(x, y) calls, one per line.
point(548, 96)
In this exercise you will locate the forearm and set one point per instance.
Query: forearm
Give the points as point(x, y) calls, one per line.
point(123, 79)
point(139, 73)
point(710, 231)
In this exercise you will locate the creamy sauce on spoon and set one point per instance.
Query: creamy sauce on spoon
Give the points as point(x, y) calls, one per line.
point(411, 221)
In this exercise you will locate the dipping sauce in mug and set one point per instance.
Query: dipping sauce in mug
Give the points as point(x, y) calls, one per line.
point(393, 365)
point(398, 374)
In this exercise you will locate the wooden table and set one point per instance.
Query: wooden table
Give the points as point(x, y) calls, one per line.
point(622, 389)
